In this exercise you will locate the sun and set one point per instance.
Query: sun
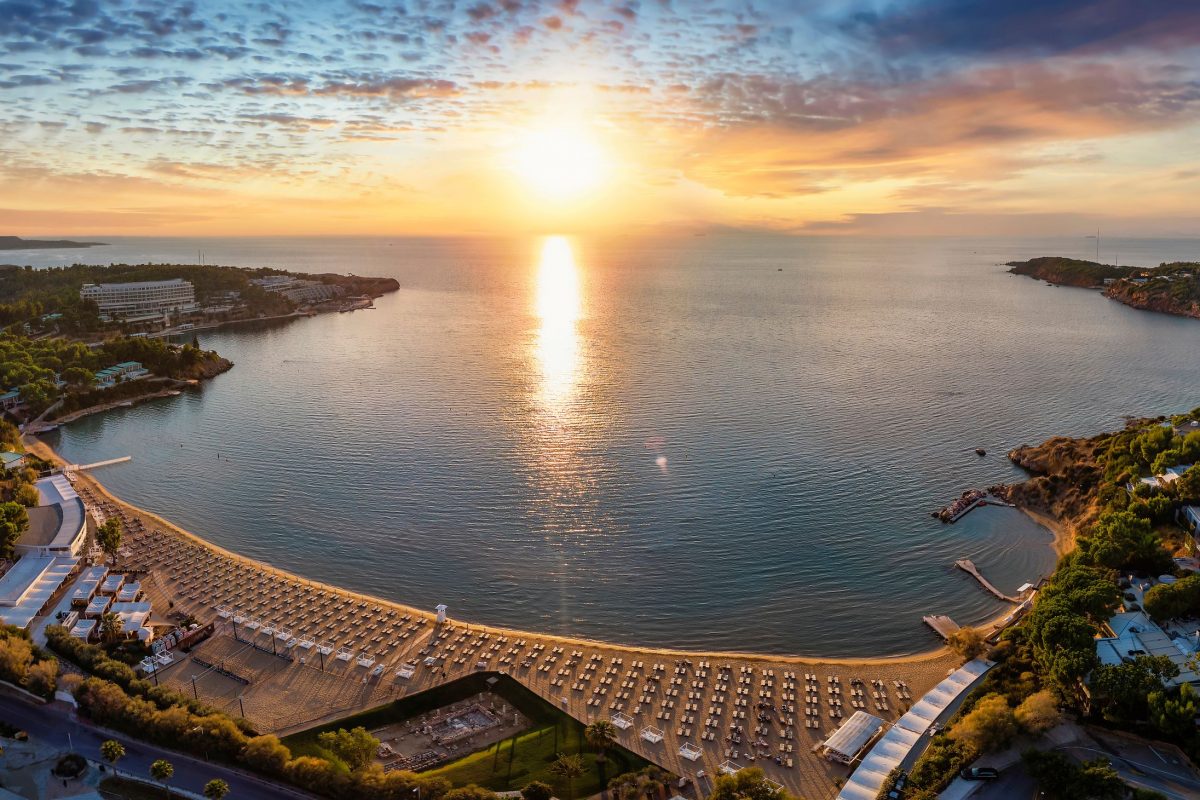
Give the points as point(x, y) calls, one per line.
point(559, 163)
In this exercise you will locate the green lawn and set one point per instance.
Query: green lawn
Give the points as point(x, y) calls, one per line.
point(509, 764)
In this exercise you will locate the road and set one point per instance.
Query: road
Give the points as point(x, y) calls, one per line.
point(57, 726)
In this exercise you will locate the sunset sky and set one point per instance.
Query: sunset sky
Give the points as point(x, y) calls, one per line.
point(425, 117)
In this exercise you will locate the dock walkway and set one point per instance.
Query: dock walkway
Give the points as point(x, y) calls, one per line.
point(942, 624)
point(968, 566)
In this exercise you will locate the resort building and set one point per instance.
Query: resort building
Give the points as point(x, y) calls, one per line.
point(1134, 634)
point(1162, 481)
point(11, 460)
point(298, 290)
point(120, 373)
point(849, 740)
point(10, 399)
point(28, 586)
point(141, 301)
point(58, 526)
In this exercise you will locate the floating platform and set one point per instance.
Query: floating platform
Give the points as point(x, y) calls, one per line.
point(941, 624)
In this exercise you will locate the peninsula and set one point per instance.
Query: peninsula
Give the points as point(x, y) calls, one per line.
point(1170, 288)
point(17, 243)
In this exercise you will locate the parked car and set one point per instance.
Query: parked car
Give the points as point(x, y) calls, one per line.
point(979, 774)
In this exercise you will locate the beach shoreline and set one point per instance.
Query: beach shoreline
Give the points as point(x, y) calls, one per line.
point(43, 450)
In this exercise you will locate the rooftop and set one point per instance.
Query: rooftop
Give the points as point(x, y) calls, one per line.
point(29, 588)
point(139, 284)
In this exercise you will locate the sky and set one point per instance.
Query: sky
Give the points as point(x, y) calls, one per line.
point(420, 117)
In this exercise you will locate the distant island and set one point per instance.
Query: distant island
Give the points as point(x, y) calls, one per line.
point(1172, 288)
point(17, 243)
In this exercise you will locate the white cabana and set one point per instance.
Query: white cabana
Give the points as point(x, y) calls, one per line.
point(365, 659)
point(406, 671)
point(622, 721)
point(283, 633)
point(252, 624)
point(224, 613)
point(344, 655)
point(848, 741)
point(690, 751)
point(305, 644)
point(729, 768)
point(652, 734)
point(324, 649)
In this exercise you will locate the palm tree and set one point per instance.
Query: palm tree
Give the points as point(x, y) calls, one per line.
point(216, 789)
point(110, 627)
point(161, 770)
point(112, 751)
point(600, 735)
point(568, 767)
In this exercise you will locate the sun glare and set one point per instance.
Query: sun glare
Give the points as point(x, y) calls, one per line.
point(559, 163)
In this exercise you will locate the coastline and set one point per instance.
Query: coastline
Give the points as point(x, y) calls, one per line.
point(43, 450)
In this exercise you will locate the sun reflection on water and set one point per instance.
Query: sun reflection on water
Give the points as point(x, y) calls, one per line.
point(559, 304)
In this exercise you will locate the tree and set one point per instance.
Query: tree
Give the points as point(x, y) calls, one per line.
point(967, 642)
point(990, 725)
point(1038, 713)
point(14, 521)
point(16, 654)
point(42, 677)
point(600, 735)
point(79, 377)
point(1121, 539)
point(1060, 778)
point(1175, 714)
point(536, 790)
point(356, 747)
point(216, 789)
point(469, 792)
point(746, 784)
point(161, 770)
point(266, 753)
point(112, 751)
point(1167, 601)
point(110, 627)
point(109, 536)
point(1124, 688)
point(27, 495)
point(1188, 485)
point(645, 784)
point(568, 767)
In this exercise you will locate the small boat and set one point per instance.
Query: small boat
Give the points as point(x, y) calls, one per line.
point(979, 451)
point(126, 404)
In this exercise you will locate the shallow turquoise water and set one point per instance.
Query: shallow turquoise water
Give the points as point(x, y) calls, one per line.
point(724, 441)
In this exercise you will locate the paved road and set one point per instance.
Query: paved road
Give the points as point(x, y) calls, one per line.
point(57, 726)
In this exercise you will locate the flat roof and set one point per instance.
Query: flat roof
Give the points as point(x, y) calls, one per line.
point(44, 523)
point(18, 580)
point(39, 591)
point(8, 456)
point(139, 284)
point(58, 490)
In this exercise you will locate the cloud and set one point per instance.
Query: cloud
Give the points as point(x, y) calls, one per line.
point(1028, 27)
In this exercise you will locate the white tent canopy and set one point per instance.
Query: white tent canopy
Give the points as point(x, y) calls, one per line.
point(848, 740)
point(895, 745)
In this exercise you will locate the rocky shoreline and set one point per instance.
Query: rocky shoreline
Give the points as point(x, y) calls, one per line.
point(1167, 289)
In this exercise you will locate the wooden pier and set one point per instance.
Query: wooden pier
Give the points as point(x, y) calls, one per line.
point(79, 467)
point(968, 566)
point(943, 625)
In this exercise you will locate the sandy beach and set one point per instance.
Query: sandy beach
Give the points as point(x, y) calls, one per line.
point(284, 692)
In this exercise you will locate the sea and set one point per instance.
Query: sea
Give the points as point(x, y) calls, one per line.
point(725, 442)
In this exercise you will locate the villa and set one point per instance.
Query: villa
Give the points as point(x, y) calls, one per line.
point(1134, 634)
point(1162, 481)
point(120, 373)
point(11, 460)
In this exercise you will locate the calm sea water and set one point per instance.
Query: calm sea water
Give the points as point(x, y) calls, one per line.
point(725, 441)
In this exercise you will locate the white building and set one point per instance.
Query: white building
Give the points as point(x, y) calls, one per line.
point(141, 301)
point(58, 524)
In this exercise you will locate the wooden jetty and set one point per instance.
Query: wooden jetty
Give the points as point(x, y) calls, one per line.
point(78, 467)
point(943, 625)
point(968, 566)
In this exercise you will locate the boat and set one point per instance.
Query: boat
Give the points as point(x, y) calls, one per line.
point(174, 393)
point(979, 451)
point(126, 404)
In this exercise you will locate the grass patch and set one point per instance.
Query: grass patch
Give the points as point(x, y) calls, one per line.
point(509, 764)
